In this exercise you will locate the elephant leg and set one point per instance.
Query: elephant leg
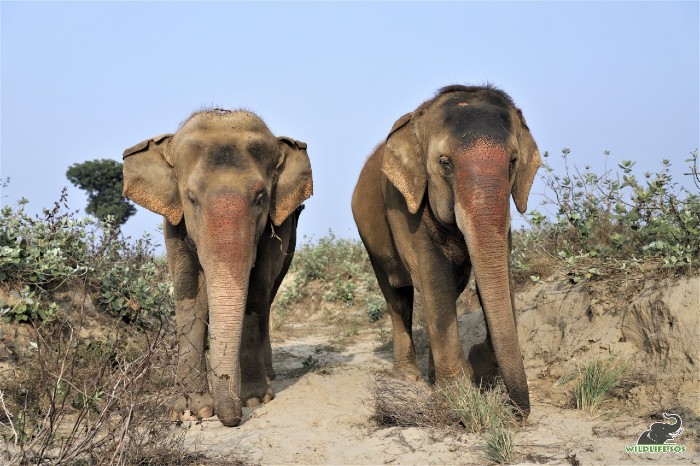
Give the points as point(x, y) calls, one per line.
point(255, 347)
point(431, 366)
point(195, 400)
point(267, 349)
point(440, 311)
point(400, 304)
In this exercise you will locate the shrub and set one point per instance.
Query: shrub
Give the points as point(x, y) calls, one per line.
point(79, 400)
point(611, 218)
point(41, 255)
point(376, 307)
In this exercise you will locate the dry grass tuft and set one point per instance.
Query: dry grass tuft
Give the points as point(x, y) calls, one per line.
point(407, 404)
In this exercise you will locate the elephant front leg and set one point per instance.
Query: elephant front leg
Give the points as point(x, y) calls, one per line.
point(256, 351)
point(440, 311)
point(255, 384)
point(195, 401)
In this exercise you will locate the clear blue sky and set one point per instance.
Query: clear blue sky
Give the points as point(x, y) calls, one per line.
point(86, 80)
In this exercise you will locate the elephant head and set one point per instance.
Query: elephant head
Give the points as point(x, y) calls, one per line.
point(461, 155)
point(225, 175)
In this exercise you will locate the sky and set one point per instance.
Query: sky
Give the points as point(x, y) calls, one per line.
point(85, 80)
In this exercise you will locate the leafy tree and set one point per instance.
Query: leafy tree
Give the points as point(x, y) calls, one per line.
point(103, 180)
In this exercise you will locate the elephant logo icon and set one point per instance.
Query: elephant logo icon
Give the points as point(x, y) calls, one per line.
point(661, 432)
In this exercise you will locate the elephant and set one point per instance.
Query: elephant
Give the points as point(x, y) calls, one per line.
point(230, 193)
point(660, 432)
point(431, 204)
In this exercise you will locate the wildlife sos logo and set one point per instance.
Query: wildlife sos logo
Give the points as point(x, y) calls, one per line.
point(655, 438)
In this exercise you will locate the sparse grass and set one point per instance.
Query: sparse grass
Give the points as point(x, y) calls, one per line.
point(596, 381)
point(499, 445)
point(479, 408)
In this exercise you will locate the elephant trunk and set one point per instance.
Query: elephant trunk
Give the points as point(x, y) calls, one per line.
point(227, 254)
point(226, 294)
point(482, 193)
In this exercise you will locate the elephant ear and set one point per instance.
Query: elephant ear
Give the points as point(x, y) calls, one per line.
point(294, 182)
point(529, 161)
point(149, 180)
point(403, 164)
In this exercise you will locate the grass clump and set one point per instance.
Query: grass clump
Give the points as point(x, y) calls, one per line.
point(499, 445)
point(479, 408)
point(488, 409)
point(596, 381)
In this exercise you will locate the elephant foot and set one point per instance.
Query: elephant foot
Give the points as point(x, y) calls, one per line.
point(192, 407)
point(254, 394)
point(410, 373)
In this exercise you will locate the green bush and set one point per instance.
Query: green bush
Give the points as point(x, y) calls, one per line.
point(376, 307)
point(41, 255)
point(613, 216)
point(341, 265)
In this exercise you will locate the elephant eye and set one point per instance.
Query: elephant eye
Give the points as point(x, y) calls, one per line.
point(257, 202)
point(446, 165)
point(191, 198)
point(513, 161)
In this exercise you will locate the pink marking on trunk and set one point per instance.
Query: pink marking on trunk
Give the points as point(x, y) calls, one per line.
point(482, 185)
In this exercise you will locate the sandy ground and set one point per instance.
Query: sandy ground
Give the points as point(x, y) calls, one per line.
point(325, 417)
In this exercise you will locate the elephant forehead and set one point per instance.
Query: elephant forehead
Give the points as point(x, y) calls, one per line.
point(231, 150)
point(467, 120)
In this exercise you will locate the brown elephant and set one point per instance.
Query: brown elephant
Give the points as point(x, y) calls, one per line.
point(231, 193)
point(431, 203)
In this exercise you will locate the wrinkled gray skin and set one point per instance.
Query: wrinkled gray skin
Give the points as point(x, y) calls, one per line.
point(431, 204)
point(660, 432)
point(231, 194)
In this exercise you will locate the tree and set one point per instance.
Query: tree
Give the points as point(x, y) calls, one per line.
point(103, 180)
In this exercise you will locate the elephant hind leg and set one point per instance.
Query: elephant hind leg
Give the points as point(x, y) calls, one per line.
point(400, 305)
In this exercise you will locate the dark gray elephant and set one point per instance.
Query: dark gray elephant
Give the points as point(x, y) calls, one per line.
point(231, 193)
point(433, 202)
point(660, 432)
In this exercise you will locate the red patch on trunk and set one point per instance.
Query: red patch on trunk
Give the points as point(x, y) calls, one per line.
point(482, 185)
